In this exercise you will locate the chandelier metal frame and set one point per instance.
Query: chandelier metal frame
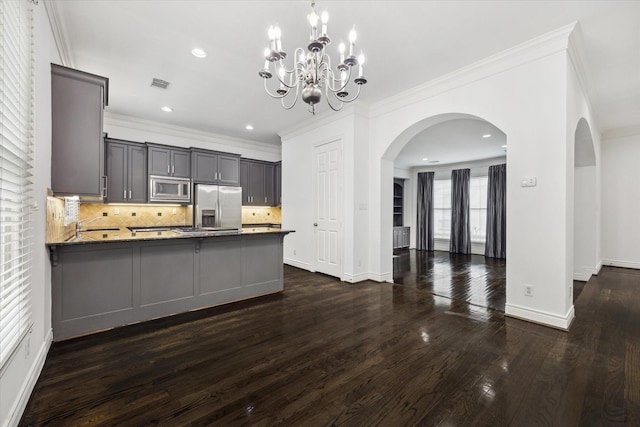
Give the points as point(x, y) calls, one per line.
point(312, 71)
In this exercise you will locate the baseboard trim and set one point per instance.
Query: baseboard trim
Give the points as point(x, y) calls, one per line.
point(623, 264)
point(30, 383)
point(541, 317)
point(355, 278)
point(299, 264)
point(597, 269)
point(382, 277)
point(581, 277)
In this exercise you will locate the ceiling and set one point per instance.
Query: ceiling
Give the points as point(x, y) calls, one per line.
point(453, 141)
point(406, 43)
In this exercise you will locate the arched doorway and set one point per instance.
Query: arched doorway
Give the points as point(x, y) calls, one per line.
point(584, 210)
point(441, 144)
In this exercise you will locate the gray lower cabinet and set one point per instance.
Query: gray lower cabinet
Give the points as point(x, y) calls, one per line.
point(77, 141)
point(98, 286)
point(401, 237)
point(126, 171)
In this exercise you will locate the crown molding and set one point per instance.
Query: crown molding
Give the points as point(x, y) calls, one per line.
point(355, 109)
point(534, 49)
point(621, 132)
point(57, 21)
point(575, 50)
point(135, 123)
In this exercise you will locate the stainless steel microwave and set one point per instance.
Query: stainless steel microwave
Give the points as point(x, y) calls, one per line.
point(169, 189)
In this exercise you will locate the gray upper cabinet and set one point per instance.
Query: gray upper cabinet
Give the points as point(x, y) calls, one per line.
point(169, 161)
point(257, 179)
point(269, 193)
point(126, 171)
point(215, 168)
point(77, 154)
point(277, 184)
point(256, 184)
point(244, 182)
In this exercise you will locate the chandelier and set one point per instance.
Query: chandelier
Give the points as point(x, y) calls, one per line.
point(311, 73)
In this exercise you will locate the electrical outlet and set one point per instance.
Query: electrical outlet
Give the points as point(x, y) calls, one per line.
point(174, 211)
point(528, 290)
point(116, 211)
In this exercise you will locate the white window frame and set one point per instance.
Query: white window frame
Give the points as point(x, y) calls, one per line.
point(16, 169)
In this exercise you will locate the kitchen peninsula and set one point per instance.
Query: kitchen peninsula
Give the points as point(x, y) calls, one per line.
point(108, 278)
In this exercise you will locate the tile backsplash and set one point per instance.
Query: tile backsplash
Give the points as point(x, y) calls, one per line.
point(261, 215)
point(97, 215)
point(56, 230)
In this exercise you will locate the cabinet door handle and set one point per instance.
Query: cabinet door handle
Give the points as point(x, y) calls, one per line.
point(265, 199)
point(105, 189)
point(129, 194)
point(124, 194)
point(168, 169)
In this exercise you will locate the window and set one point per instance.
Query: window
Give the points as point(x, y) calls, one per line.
point(478, 208)
point(16, 163)
point(442, 208)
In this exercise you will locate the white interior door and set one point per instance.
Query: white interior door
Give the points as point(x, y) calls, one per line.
point(327, 164)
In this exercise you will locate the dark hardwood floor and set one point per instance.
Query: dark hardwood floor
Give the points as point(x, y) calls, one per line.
point(471, 278)
point(329, 353)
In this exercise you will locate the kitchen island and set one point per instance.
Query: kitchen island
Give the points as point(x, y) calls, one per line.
point(108, 278)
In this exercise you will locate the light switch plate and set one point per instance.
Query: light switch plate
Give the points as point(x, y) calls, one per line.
point(529, 181)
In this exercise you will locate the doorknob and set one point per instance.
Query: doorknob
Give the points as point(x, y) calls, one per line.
point(315, 224)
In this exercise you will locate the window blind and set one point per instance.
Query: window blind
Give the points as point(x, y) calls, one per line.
point(16, 164)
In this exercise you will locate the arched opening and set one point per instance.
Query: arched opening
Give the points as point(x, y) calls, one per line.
point(584, 209)
point(437, 146)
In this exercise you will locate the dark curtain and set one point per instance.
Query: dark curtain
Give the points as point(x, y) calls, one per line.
point(460, 241)
point(425, 212)
point(496, 242)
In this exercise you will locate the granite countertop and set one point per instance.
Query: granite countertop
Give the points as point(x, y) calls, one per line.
point(124, 234)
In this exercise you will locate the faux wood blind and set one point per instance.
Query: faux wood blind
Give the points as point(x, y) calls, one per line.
point(16, 164)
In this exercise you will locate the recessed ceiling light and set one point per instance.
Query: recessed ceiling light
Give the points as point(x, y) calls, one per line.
point(434, 161)
point(504, 146)
point(486, 135)
point(248, 127)
point(167, 109)
point(198, 53)
point(425, 159)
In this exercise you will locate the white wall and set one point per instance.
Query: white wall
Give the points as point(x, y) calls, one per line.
point(297, 193)
point(533, 116)
point(585, 224)
point(621, 201)
point(526, 93)
point(18, 377)
point(582, 182)
point(138, 130)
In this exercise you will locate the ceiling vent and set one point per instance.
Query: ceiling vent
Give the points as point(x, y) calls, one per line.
point(162, 84)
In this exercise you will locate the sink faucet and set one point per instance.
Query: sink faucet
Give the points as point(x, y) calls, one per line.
point(80, 223)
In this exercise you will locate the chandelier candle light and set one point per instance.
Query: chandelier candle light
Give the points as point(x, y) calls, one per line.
point(312, 72)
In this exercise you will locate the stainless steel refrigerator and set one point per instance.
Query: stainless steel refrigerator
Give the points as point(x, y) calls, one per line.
point(217, 207)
